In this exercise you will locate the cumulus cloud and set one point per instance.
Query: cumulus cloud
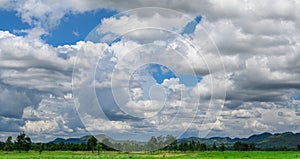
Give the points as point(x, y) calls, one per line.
point(55, 116)
point(258, 44)
point(146, 28)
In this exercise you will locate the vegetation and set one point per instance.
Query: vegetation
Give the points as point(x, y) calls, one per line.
point(167, 144)
point(156, 155)
point(92, 142)
point(8, 144)
point(23, 142)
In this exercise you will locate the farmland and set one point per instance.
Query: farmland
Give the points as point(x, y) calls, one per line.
point(162, 154)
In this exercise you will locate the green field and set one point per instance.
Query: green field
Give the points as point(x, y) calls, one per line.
point(172, 155)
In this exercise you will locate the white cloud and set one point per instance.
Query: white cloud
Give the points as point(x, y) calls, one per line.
point(245, 114)
point(33, 64)
point(258, 41)
point(257, 126)
point(147, 28)
point(99, 125)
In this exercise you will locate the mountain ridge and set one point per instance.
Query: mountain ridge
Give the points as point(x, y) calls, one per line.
point(264, 140)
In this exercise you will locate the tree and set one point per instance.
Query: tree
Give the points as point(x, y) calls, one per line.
point(152, 143)
point(298, 147)
point(39, 147)
point(214, 147)
point(8, 144)
point(23, 142)
point(51, 146)
point(160, 141)
point(252, 146)
point(198, 144)
point(99, 148)
point(239, 146)
point(171, 142)
point(192, 145)
point(183, 146)
point(61, 145)
point(83, 146)
point(2, 144)
point(92, 142)
point(222, 147)
point(203, 147)
point(107, 143)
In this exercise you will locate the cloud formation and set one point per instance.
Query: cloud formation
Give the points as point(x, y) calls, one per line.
point(258, 42)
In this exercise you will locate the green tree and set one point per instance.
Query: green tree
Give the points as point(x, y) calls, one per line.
point(152, 143)
point(161, 141)
point(99, 148)
point(192, 145)
point(51, 146)
point(106, 142)
point(61, 145)
point(222, 147)
point(203, 147)
point(198, 144)
point(239, 146)
point(8, 144)
point(183, 146)
point(298, 147)
point(83, 146)
point(171, 142)
point(23, 142)
point(214, 147)
point(2, 144)
point(252, 146)
point(92, 142)
point(39, 147)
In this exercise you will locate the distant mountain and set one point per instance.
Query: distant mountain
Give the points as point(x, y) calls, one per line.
point(83, 139)
point(72, 140)
point(288, 139)
point(264, 140)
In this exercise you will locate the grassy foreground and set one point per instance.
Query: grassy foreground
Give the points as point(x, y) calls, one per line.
point(172, 155)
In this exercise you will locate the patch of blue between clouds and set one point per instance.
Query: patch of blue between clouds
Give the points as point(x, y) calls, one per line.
point(75, 27)
point(160, 73)
point(12, 23)
point(96, 37)
point(189, 80)
point(72, 28)
point(297, 97)
point(191, 26)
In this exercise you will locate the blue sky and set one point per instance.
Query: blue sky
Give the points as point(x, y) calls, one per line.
point(72, 28)
point(75, 27)
point(12, 22)
point(191, 26)
point(159, 75)
point(297, 97)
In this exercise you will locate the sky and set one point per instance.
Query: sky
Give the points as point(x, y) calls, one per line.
point(133, 70)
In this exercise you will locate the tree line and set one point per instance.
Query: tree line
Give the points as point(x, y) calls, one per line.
point(23, 143)
point(165, 143)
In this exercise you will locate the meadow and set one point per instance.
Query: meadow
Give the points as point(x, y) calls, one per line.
point(169, 155)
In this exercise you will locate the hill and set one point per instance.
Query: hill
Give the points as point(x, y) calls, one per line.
point(80, 140)
point(264, 141)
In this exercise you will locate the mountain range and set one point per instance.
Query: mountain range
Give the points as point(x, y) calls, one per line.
point(80, 140)
point(264, 141)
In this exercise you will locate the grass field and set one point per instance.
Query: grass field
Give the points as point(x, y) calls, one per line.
point(173, 155)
